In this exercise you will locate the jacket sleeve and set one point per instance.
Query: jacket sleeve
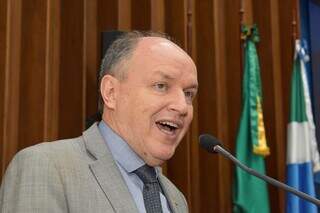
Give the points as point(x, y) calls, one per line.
point(32, 184)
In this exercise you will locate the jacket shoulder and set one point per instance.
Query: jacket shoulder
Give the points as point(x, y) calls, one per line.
point(32, 181)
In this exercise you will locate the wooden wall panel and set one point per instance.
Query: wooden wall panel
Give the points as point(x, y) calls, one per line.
point(71, 117)
point(11, 82)
point(175, 20)
point(270, 58)
point(140, 15)
point(193, 134)
point(286, 51)
point(32, 73)
point(221, 96)
point(233, 81)
point(157, 16)
point(233, 47)
point(124, 15)
point(109, 18)
point(108, 14)
point(51, 107)
point(50, 54)
point(278, 120)
point(206, 98)
point(91, 57)
point(3, 45)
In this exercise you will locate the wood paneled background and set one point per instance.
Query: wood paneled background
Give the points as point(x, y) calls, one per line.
point(50, 54)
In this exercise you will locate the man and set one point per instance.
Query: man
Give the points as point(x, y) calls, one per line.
point(147, 85)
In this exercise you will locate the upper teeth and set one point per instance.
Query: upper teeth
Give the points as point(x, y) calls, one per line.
point(169, 124)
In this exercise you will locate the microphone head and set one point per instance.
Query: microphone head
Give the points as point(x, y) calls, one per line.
point(208, 142)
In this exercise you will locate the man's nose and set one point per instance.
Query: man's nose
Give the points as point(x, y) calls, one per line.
point(179, 103)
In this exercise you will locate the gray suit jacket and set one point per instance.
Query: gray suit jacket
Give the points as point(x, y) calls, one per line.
point(73, 175)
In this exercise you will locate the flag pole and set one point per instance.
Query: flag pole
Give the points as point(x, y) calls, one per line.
point(295, 21)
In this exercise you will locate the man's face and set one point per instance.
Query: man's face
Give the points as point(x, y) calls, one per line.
point(153, 105)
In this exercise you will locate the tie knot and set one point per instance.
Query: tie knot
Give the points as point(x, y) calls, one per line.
point(147, 174)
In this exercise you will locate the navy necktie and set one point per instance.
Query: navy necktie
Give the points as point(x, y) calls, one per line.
point(151, 189)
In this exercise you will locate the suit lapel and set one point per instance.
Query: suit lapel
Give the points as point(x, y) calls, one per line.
point(111, 182)
point(169, 194)
point(107, 173)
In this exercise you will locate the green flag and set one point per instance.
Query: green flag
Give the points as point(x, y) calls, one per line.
point(250, 194)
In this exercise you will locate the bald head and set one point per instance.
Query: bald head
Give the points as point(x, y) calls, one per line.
point(121, 50)
point(156, 47)
point(118, 55)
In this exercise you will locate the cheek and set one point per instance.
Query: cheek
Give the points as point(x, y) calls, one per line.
point(191, 112)
point(190, 115)
point(188, 121)
point(149, 105)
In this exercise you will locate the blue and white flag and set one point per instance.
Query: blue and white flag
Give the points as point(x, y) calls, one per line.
point(302, 150)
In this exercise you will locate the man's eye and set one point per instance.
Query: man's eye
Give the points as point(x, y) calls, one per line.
point(161, 87)
point(189, 94)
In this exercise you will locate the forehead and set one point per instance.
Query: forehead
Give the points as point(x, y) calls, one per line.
point(154, 54)
point(160, 47)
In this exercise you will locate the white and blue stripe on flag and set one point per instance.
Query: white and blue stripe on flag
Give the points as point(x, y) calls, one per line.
point(302, 150)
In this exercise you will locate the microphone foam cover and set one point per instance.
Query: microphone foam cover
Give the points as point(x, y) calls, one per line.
point(207, 142)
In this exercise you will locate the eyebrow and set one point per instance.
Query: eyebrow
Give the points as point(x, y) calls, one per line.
point(164, 75)
point(194, 86)
point(169, 77)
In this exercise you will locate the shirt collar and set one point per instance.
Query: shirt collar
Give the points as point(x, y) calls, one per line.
point(120, 150)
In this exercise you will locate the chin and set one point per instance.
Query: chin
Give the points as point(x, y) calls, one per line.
point(155, 162)
point(163, 155)
point(158, 152)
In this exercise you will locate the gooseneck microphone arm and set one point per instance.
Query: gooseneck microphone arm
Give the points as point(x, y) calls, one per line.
point(212, 145)
point(268, 179)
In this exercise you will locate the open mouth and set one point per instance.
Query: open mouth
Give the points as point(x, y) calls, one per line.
point(167, 127)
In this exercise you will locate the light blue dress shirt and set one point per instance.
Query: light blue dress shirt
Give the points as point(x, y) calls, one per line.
point(128, 161)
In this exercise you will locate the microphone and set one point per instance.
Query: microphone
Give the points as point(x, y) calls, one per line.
point(212, 145)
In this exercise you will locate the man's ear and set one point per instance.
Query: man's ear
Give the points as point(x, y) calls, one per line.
point(108, 89)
